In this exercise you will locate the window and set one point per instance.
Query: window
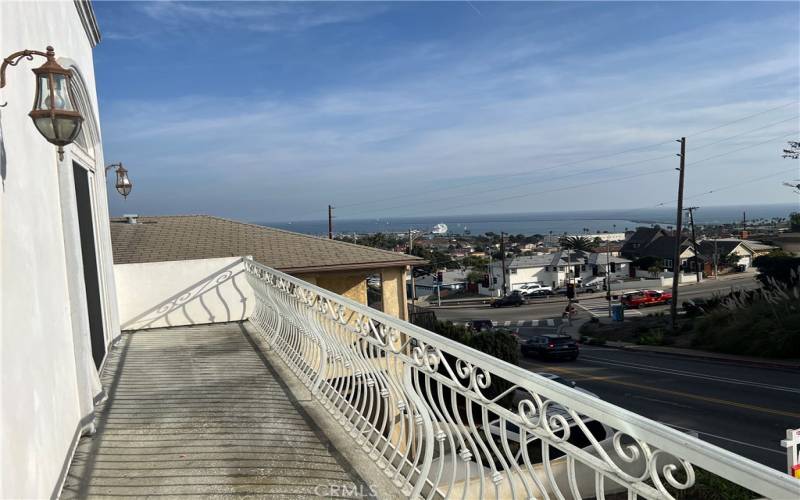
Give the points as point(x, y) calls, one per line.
point(668, 263)
point(635, 245)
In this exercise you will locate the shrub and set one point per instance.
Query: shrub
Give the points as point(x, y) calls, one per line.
point(779, 267)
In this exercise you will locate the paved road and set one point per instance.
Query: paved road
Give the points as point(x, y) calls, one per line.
point(552, 307)
point(743, 409)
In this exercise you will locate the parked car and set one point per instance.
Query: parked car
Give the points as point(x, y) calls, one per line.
point(550, 345)
point(642, 298)
point(535, 290)
point(580, 289)
point(514, 299)
point(479, 325)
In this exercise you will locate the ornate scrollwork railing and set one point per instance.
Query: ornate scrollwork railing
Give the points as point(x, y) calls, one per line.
point(446, 421)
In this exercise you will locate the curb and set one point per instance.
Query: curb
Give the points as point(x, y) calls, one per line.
point(708, 356)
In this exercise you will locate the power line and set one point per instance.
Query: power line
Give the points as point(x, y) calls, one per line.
point(605, 181)
point(745, 133)
point(573, 174)
point(552, 167)
point(570, 163)
point(738, 184)
point(695, 134)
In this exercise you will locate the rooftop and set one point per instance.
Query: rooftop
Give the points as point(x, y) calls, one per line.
point(197, 411)
point(188, 237)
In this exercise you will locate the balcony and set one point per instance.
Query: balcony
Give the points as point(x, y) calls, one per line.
point(315, 391)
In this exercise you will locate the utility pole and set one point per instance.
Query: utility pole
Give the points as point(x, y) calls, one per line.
point(744, 224)
point(503, 261)
point(676, 263)
point(716, 276)
point(694, 242)
point(608, 274)
point(330, 222)
point(413, 279)
point(492, 288)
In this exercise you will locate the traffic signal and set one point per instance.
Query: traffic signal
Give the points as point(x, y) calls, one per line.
point(439, 277)
point(570, 290)
point(485, 281)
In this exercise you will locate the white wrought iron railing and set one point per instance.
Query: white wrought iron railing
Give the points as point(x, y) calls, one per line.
point(446, 421)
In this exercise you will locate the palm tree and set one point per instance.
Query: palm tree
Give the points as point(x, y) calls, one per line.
point(577, 243)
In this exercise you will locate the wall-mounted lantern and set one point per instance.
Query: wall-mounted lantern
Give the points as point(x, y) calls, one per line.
point(123, 183)
point(54, 113)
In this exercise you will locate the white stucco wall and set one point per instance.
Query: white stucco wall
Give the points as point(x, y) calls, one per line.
point(187, 292)
point(48, 379)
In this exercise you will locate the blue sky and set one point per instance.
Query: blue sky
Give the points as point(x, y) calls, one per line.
point(271, 111)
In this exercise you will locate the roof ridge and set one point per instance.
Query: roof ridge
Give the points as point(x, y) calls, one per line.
point(338, 242)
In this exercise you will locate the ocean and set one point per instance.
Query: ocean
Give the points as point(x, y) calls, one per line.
point(559, 222)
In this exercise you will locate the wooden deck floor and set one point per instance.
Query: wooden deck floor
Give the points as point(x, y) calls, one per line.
point(197, 411)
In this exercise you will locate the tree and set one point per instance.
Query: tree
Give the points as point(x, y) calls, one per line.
point(778, 266)
point(728, 260)
point(794, 221)
point(577, 243)
point(794, 150)
point(475, 277)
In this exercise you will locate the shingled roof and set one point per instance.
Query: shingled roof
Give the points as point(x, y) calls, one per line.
point(186, 237)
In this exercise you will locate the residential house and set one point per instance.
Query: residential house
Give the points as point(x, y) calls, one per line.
point(789, 242)
point(452, 280)
point(552, 269)
point(144, 243)
point(658, 244)
point(634, 246)
point(742, 251)
point(58, 304)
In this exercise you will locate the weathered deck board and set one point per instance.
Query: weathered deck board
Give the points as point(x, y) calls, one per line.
point(198, 411)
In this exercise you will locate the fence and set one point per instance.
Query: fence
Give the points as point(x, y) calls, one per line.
point(446, 421)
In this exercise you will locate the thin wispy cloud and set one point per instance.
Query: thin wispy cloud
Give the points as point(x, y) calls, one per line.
point(402, 97)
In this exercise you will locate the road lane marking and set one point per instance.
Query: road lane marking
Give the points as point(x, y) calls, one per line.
point(535, 322)
point(686, 429)
point(636, 366)
point(661, 401)
point(550, 322)
point(599, 308)
point(520, 322)
point(707, 399)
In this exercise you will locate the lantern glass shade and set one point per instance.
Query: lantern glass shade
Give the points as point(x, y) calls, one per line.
point(123, 184)
point(54, 113)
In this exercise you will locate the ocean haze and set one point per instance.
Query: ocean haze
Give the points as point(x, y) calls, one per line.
point(558, 222)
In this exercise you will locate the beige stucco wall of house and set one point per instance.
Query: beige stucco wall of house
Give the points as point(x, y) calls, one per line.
point(353, 285)
point(395, 302)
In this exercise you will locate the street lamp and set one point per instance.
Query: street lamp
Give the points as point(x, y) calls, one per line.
point(54, 113)
point(123, 183)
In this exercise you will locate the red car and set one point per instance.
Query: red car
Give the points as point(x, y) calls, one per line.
point(642, 298)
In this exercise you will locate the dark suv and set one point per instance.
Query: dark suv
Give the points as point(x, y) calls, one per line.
point(514, 299)
point(554, 345)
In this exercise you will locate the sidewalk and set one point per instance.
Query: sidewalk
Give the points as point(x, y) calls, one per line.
point(573, 330)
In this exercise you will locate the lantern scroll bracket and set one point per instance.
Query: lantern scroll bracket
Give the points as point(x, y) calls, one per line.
point(15, 58)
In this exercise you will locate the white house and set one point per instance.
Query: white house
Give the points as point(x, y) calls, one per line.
point(58, 308)
point(551, 269)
